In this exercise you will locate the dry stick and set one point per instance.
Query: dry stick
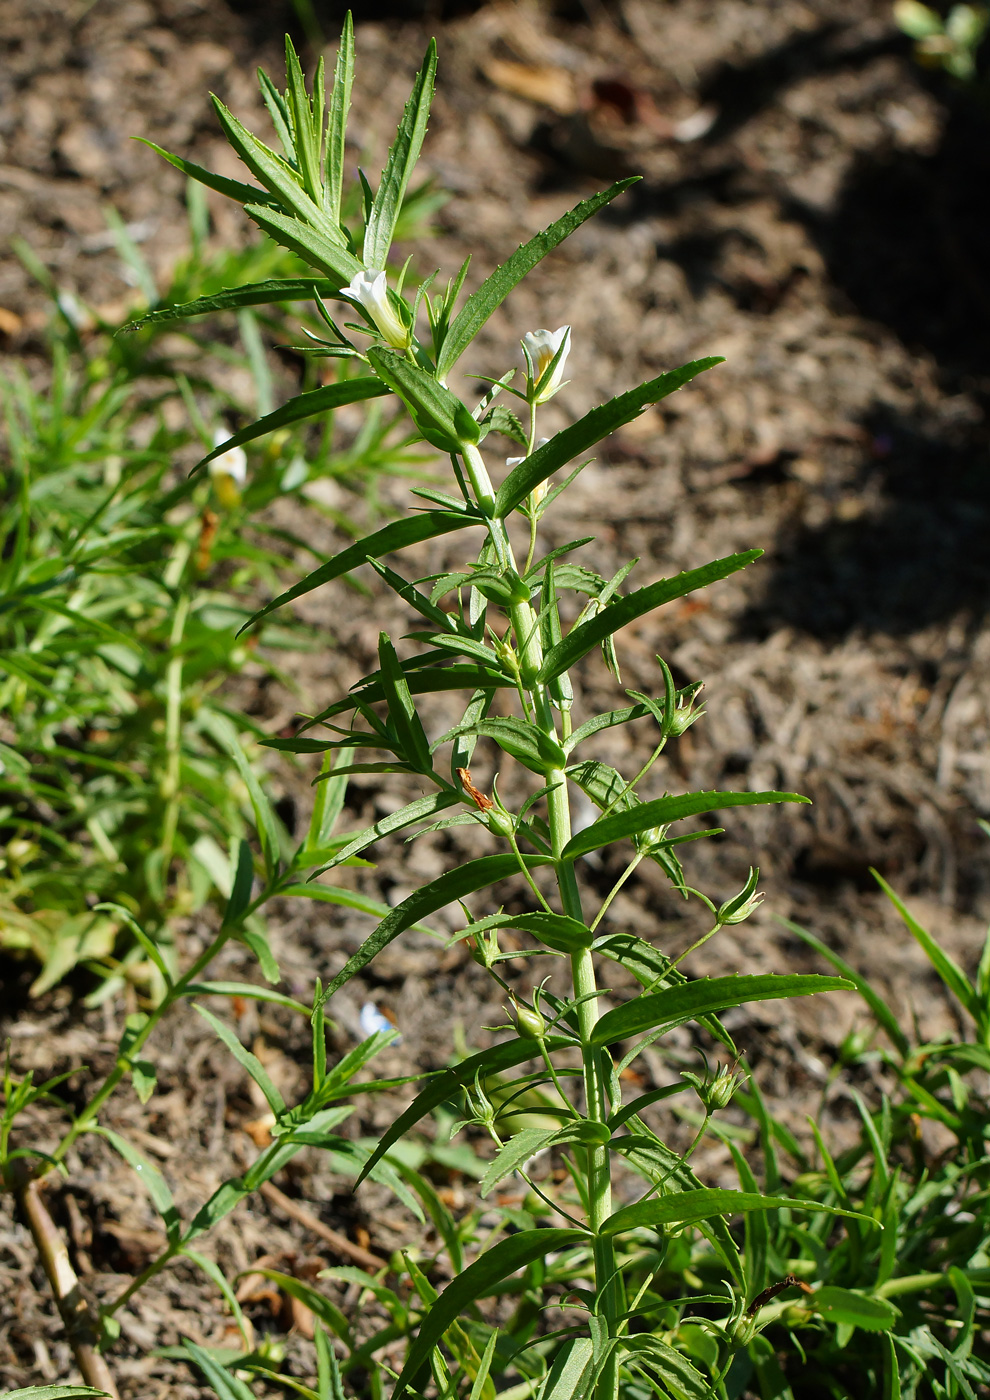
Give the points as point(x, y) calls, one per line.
point(80, 1328)
point(362, 1257)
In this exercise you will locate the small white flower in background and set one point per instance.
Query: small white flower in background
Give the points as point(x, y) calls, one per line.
point(229, 471)
point(373, 1020)
point(511, 462)
point(542, 346)
point(369, 290)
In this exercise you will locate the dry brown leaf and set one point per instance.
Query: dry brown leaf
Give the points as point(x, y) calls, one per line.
point(537, 82)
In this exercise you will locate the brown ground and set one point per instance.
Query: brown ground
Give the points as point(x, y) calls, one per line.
point(811, 209)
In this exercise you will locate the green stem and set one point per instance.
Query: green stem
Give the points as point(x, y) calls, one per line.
point(170, 785)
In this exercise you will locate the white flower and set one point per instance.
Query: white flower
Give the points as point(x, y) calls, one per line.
point(373, 1021)
point(511, 462)
point(541, 347)
point(229, 470)
point(368, 289)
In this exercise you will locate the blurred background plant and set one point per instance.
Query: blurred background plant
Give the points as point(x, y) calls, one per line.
point(950, 42)
point(122, 587)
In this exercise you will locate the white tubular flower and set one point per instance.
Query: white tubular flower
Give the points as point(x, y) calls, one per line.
point(542, 346)
point(229, 471)
point(368, 290)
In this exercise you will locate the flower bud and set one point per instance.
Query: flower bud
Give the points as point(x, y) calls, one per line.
point(529, 1023)
point(370, 292)
point(541, 347)
point(736, 910)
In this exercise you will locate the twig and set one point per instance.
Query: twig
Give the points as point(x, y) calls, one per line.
point(80, 1326)
point(362, 1257)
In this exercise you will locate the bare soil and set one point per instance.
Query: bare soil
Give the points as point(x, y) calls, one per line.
point(813, 208)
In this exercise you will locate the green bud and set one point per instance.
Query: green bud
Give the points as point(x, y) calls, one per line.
point(739, 908)
point(499, 822)
point(529, 1023)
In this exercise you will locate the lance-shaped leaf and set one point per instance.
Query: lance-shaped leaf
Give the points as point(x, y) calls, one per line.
point(653, 970)
point(401, 533)
point(401, 161)
point(847, 1306)
point(442, 1086)
point(275, 174)
point(435, 678)
point(306, 405)
point(646, 815)
point(493, 291)
point(690, 1207)
point(465, 879)
point(340, 102)
point(477, 1280)
point(245, 1059)
point(518, 737)
point(420, 810)
point(252, 294)
point(401, 710)
point(233, 189)
point(582, 639)
point(333, 259)
point(154, 1182)
point(675, 1005)
point(572, 441)
point(439, 415)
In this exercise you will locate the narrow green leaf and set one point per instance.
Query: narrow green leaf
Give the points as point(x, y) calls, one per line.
point(306, 405)
point(682, 1379)
point(253, 294)
point(401, 710)
point(564, 446)
point(675, 1005)
point(275, 174)
point(557, 931)
point(520, 738)
point(402, 159)
point(874, 1001)
point(420, 810)
point(226, 1385)
point(53, 1392)
point(233, 189)
point(855, 1309)
point(221, 729)
point(152, 1179)
point(240, 894)
point(493, 291)
point(569, 1378)
point(247, 990)
point(525, 1144)
point(442, 1086)
point(256, 940)
point(319, 1305)
point(216, 1274)
point(346, 899)
point(398, 535)
point(647, 815)
point(340, 102)
point(947, 968)
point(329, 257)
point(691, 1207)
point(436, 678)
point(245, 1059)
point(439, 415)
point(464, 880)
point(584, 638)
point(478, 1279)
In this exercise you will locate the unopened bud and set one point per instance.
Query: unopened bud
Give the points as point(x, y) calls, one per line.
point(736, 910)
point(529, 1022)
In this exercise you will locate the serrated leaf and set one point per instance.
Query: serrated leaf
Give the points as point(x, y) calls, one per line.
point(308, 405)
point(519, 738)
point(247, 990)
point(480, 1277)
point(691, 1207)
point(652, 969)
point(644, 816)
point(252, 294)
point(454, 885)
point(675, 1005)
point(401, 161)
point(398, 535)
point(233, 189)
point(340, 101)
point(564, 446)
point(585, 637)
point(503, 420)
point(525, 1144)
point(330, 258)
point(682, 1380)
point(454, 677)
point(493, 291)
point(420, 810)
